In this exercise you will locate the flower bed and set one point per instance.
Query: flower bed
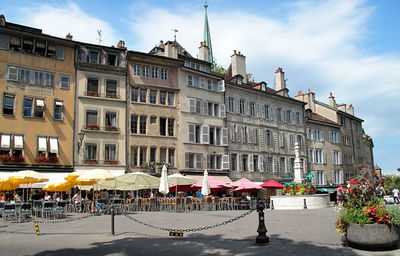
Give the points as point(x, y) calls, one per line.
point(299, 189)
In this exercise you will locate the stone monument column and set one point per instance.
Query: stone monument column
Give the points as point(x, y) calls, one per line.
point(298, 167)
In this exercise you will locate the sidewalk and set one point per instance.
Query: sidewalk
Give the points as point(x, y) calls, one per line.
point(300, 232)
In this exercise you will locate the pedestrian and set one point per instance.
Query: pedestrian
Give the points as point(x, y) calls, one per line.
point(395, 195)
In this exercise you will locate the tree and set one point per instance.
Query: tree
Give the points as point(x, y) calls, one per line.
point(391, 182)
point(219, 69)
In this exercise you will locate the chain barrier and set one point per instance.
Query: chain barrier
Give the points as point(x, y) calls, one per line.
point(191, 229)
point(62, 220)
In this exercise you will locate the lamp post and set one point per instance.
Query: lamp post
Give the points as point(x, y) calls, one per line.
point(81, 135)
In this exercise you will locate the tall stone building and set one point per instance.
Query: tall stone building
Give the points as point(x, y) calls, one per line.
point(100, 108)
point(352, 140)
point(37, 77)
point(263, 124)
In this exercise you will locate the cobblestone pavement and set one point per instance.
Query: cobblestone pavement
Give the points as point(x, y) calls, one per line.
point(297, 232)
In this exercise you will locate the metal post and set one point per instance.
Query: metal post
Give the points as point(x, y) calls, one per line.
point(112, 220)
point(262, 238)
point(305, 204)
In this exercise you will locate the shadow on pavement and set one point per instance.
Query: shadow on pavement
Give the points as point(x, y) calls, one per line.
point(198, 244)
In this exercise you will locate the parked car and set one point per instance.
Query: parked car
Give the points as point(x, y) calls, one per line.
point(388, 199)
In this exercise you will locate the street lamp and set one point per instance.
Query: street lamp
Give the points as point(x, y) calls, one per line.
point(81, 135)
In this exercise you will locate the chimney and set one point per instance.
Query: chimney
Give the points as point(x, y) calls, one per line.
point(68, 37)
point(121, 44)
point(171, 50)
point(204, 52)
point(332, 101)
point(238, 65)
point(342, 107)
point(280, 82)
point(2, 20)
point(351, 110)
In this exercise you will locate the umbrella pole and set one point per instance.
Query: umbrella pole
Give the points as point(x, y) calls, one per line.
point(176, 190)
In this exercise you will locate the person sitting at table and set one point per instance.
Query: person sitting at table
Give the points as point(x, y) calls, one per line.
point(47, 197)
point(77, 199)
point(2, 197)
point(90, 197)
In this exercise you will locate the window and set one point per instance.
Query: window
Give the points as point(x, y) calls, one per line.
point(198, 106)
point(189, 79)
point(93, 57)
point(163, 99)
point(92, 86)
point(134, 156)
point(291, 140)
point(255, 163)
point(268, 140)
point(28, 104)
point(299, 140)
point(27, 45)
point(58, 110)
point(90, 151)
point(153, 119)
point(134, 123)
point(143, 95)
point(111, 59)
point(245, 166)
point(318, 178)
point(153, 96)
point(111, 88)
point(145, 72)
point(8, 104)
point(231, 104)
point(171, 99)
point(64, 82)
point(91, 118)
point(317, 156)
point(209, 85)
point(269, 163)
point(252, 108)
point(134, 94)
point(153, 152)
point(234, 162)
point(334, 137)
point(297, 118)
point(155, 72)
point(193, 161)
point(142, 155)
point(288, 116)
point(266, 112)
point(39, 108)
point(136, 70)
point(111, 120)
point(337, 177)
point(195, 81)
point(171, 157)
point(278, 113)
point(42, 146)
point(194, 133)
point(110, 152)
point(215, 162)
point(337, 157)
point(163, 155)
point(143, 120)
point(171, 127)
point(164, 74)
point(163, 123)
point(241, 107)
point(282, 164)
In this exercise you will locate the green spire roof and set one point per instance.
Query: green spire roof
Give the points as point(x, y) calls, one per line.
point(206, 36)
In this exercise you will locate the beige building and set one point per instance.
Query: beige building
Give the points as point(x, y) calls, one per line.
point(351, 132)
point(153, 106)
point(100, 108)
point(263, 124)
point(37, 79)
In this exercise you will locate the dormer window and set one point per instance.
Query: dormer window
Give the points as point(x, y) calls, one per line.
point(93, 57)
point(27, 45)
point(111, 59)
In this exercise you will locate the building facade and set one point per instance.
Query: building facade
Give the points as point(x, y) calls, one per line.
point(37, 77)
point(100, 108)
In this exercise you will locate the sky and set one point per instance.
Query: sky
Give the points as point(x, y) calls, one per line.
point(348, 47)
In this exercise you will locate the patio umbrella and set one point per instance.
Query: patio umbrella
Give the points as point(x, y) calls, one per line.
point(138, 180)
point(205, 186)
point(164, 189)
point(91, 177)
point(245, 185)
point(214, 184)
point(182, 188)
point(73, 176)
point(272, 184)
point(182, 181)
point(26, 177)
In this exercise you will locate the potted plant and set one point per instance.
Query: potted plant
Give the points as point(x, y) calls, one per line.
point(111, 128)
point(92, 126)
point(363, 218)
point(90, 161)
point(109, 161)
point(52, 159)
point(41, 159)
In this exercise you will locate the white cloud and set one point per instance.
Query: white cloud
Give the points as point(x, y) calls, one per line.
point(69, 18)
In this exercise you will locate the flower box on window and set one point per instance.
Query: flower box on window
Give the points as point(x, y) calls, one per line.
point(5, 158)
point(41, 159)
point(95, 94)
point(52, 159)
point(11, 159)
point(92, 126)
point(90, 161)
point(108, 161)
point(110, 95)
point(111, 128)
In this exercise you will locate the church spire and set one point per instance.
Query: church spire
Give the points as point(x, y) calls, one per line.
point(206, 36)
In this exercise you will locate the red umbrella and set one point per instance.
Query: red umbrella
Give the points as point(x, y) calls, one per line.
point(215, 184)
point(272, 184)
point(182, 188)
point(245, 185)
point(244, 189)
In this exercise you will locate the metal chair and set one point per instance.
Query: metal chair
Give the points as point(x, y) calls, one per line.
point(117, 204)
point(37, 208)
point(2, 204)
point(153, 204)
point(59, 209)
point(48, 209)
point(10, 212)
point(25, 211)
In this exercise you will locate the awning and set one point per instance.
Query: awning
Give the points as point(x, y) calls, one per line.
point(114, 172)
point(18, 141)
point(327, 190)
point(224, 179)
point(5, 140)
point(42, 144)
point(39, 103)
point(54, 145)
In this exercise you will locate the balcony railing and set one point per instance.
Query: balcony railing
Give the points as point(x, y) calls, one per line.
point(102, 95)
point(96, 127)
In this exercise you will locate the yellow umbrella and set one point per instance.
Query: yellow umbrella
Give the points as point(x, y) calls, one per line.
point(91, 177)
point(7, 186)
point(73, 176)
point(26, 177)
point(61, 185)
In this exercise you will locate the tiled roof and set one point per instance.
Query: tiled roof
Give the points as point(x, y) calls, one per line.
point(320, 118)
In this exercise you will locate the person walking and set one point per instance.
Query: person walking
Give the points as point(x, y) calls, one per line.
point(395, 195)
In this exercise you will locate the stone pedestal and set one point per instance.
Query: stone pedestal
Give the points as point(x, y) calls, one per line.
point(298, 167)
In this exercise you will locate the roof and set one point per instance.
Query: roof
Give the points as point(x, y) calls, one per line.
point(319, 118)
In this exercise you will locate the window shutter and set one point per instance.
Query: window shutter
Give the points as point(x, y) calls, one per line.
point(4, 40)
point(324, 157)
point(283, 116)
point(191, 134)
point(330, 136)
point(238, 133)
point(310, 155)
point(103, 57)
point(221, 86)
point(239, 162)
point(257, 114)
point(246, 108)
point(324, 178)
point(333, 158)
point(192, 105)
point(251, 163)
point(322, 135)
point(208, 161)
point(222, 112)
point(186, 160)
point(232, 132)
point(314, 177)
point(224, 137)
point(237, 106)
point(341, 180)
point(202, 83)
point(247, 134)
point(60, 52)
point(199, 161)
point(205, 107)
point(261, 163)
point(260, 138)
point(271, 113)
point(301, 119)
point(274, 169)
point(308, 134)
point(262, 111)
point(340, 157)
point(205, 132)
point(225, 162)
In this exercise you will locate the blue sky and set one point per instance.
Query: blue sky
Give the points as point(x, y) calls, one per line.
point(348, 47)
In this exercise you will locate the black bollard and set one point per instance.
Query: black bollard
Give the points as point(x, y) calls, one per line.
point(305, 204)
point(262, 238)
point(112, 220)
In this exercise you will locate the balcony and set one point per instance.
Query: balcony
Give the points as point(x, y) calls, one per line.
point(102, 95)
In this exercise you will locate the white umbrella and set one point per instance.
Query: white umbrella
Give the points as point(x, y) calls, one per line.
point(164, 188)
point(205, 188)
point(138, 180)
